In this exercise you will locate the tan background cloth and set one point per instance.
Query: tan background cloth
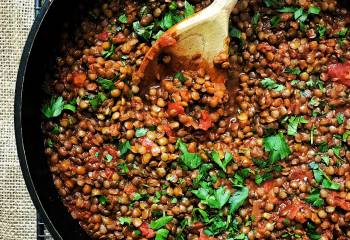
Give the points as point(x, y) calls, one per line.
point(17, 214)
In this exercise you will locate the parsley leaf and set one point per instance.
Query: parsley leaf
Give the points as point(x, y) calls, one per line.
point(123, 18)
point(275, 20)
point(314, 10)
point(238, 198)
point(140, 132)
point(343, 32)
point(124, 220)
point(161, 222)
point(190, 160)
point(255, 20)
point(287, 10)
point(270, 3)
point(180, 76)
point(222, 164)
point(124, 147)
point(322, 30)
point(294, 123)
point(294, 71)
point(219, 199)
point(162, 234)
point(97, 101)
point(272, 85)
point(321, 177)
point(108, 53)
point(103, 200)
point(144, 32)
point(55, 107)
point(189, 10)
point(314, 198)
point(340, 118)
point(124, 168)
point(108, 158)
point(277, 147)
point(106, 84)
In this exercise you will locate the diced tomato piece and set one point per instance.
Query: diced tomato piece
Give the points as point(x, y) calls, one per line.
point(339, 202)
point(340, 72)
point(103, 36)
point(130, 188)
point(291, 208)
point(146, 231)
point(197, 225)
point(147, 143)
point(108, 173)
point(205, 122)
point(166, 41)
point(177, 107)
point(168, 130)
point(79, 78)
point(297, 173)
point(257, 210)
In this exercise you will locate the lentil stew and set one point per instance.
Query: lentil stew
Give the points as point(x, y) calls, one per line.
point(194, 159)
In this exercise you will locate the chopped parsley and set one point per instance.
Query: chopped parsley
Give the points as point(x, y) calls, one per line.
point(124, 147)
point(272, 85)
point(322, 178)
point(140, 132)
point(340, 118)
point(144, 32)
point(108, 158)
point(255, 20)
point(222, 164)
point(294, 122)
point(106, 84)
point(275, 20)
point(123, 18)
point(322, 30)
point(56, 107)
point(180, 77)
point(124, 220)
point(108, 53)
point(294, 71)
point(238, 198)
point(103, 200)
point(277, 146)
point(124, 168)
point(190, 160)
point(162, 234)
point(314, 198)
point(161, 222)
point(97, 101)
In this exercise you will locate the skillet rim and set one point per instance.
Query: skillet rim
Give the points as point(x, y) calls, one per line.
point(27, 50)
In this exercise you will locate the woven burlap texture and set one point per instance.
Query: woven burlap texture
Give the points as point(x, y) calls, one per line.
point(17, 214)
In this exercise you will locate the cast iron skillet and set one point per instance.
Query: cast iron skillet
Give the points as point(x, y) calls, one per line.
point(38, 56)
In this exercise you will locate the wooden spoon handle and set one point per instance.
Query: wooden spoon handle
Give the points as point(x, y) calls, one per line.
point(224, 5)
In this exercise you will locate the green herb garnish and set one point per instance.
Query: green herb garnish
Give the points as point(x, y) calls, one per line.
point(190, 160)
point(277, 147)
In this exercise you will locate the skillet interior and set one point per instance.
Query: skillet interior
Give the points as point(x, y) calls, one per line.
point(37, 59)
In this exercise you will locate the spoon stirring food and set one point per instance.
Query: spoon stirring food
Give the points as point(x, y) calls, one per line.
point(190, 44)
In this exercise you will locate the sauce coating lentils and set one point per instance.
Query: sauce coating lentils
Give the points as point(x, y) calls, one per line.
point(194, 160)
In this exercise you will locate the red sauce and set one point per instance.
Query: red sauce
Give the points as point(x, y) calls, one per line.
point(130, 188)
point(291, 208)
point(147, 143)
point(166, 41)
point(103, 36)
point(168, 131)
point(203, 236)
point(146, 231)
point(338, 201)
point(340, 72)
point(297, 173)
point(79, 78)
point(205, 122)
point(177, 107)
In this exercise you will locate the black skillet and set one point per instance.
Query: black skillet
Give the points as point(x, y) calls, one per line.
point(38, 56)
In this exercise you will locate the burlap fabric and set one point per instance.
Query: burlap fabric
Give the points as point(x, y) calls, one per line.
point(17, 214)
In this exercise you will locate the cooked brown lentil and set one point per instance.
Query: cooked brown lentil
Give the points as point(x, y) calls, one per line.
point(267, 160)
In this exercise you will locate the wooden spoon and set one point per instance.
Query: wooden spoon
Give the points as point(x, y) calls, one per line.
point(192, 43)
